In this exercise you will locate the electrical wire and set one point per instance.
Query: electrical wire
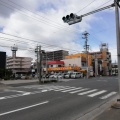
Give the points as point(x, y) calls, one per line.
point(86, 6)
point(36, 41)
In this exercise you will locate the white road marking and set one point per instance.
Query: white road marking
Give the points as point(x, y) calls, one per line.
point(1, 98)
point(5, 113)
point(62, 89)
point(97, 93)
point(35, 92)
point(83, 93)
point(44, 90)
point(27, 93)
point(79, 90)
point(71, 89)
point(51, 87)
point(108, 95)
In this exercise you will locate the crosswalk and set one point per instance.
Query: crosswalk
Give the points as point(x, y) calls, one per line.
point(102, 94)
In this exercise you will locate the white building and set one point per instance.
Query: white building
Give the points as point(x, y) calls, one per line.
point(18, 65)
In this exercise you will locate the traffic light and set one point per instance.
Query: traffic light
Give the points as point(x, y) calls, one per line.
point(72, 19)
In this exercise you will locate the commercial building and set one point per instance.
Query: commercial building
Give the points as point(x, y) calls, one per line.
point(82, 62)
point(102, 60)
point(74, 62)
point(98, 62)
point(18, 65)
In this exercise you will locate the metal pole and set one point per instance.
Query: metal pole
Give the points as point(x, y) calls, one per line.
point(118, 40)
point(96, 66)
point(46, 63)
point(40, 64)
point(86, 50)
point(37, 64)
point(87, 56)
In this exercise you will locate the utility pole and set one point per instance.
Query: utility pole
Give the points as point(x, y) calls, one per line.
point(86, 49)
point(96, 66)
point(46, 63)
point(39, 62)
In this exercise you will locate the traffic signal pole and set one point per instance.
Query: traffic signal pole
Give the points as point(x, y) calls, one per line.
point(72, 19)
point(118, 40)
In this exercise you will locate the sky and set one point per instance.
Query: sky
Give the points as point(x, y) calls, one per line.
point(29, 23)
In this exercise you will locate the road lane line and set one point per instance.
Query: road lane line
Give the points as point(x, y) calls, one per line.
point(83, 93)
point(71, 89)
point(5, 113)
point(44, 90)
point(108, 95)
point(97, 93)
point(27, 93)
point(79, 90)
point(63, 89)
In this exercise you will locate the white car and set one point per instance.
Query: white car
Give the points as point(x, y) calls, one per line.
point(76, 75)
point(54, 76)
point(68, 75)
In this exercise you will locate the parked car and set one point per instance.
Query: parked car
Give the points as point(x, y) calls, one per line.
point(54, 77)
point(61, 75)
point(76, 75)
point(68, 75)
point(48, 75)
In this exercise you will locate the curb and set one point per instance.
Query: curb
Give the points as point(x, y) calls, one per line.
point(92, 114)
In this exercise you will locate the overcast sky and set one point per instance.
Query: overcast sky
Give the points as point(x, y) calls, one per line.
point(40, 21)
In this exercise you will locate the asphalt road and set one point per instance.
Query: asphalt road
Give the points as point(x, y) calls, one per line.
point(66, 100)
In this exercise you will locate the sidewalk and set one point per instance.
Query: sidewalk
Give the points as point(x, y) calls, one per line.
point(11, 82)
point(14, 83)
point(109, 114)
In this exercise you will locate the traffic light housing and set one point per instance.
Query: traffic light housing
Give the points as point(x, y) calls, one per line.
point(72, 19)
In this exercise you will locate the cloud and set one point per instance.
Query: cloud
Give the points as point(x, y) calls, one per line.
point(45, 25)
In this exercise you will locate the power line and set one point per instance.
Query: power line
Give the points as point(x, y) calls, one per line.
point(36, 41)
point(86, 6)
